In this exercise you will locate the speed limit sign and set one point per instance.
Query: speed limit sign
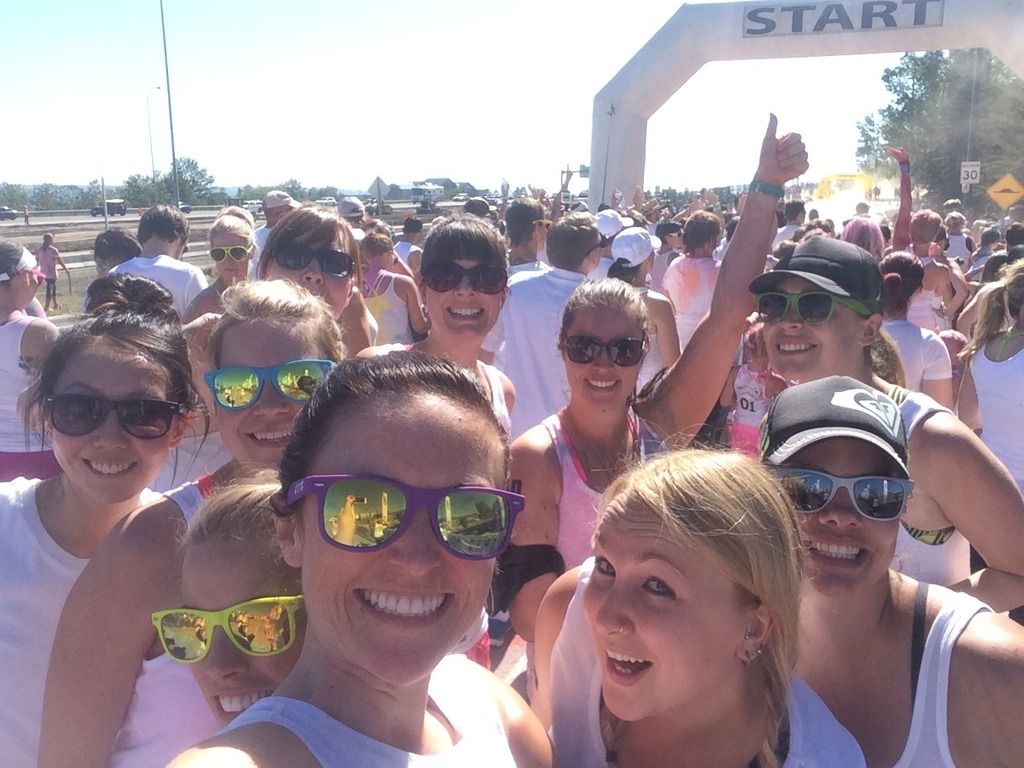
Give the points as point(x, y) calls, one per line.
point(970, 173)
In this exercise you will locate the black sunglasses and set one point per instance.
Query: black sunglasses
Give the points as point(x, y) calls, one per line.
point(447, 276)
point(332, 262)
point(625, 352)
point(79, 414)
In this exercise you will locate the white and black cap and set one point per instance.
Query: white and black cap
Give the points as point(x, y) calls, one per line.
point(837, 406)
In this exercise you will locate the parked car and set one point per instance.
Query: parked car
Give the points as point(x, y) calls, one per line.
point(330, 202)
point(114, 208)
point(6, 212)
point(253, 206)
point(460, 198)
point(184, 207)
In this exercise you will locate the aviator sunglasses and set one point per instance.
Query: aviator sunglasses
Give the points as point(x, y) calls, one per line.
point(624, 352)
point(362, 513)
point(79, 414)
point(812, 307)
point(876, 498)
point(236, 252)
point(240, 386)
point(261, 627)
point(447, 276)
point(332, 262)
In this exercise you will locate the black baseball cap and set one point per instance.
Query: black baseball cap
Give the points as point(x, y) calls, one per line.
point(837, 406)
point(835, 266)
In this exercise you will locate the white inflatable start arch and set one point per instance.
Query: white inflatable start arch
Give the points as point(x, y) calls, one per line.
point(776, 30)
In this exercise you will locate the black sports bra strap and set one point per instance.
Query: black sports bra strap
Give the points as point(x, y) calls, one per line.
point(917, 638)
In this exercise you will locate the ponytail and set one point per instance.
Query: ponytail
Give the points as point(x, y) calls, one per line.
point(622, 270)
point(998, 308)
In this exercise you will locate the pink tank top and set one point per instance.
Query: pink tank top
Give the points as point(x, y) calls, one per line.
point(577, 507)
point(579, 503)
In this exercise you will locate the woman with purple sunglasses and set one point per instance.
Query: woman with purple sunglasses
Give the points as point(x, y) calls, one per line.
point(397, 547)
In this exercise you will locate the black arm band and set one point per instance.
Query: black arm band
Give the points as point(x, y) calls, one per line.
point(519, 565)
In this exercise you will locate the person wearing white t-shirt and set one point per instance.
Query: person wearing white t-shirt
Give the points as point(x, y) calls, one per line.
point(524, 341)
point(163, 234)
point(690, 281)
point(795, 214)
point(670, 235)
point(925, 359)
point(527, 230)
point(407, 247)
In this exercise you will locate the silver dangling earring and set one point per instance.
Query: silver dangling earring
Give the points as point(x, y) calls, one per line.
point(754, 652)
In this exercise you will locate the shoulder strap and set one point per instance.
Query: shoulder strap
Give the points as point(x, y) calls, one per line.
point(917, 637)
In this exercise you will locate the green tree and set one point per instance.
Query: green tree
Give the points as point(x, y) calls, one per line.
point(293, 188)
point(44, 197)
point(87, 196)
point(931, 116)
point(14, 195)
point(194, 183)
point(138, 191)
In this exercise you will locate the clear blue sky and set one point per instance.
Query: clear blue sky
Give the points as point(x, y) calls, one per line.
point(336, 92)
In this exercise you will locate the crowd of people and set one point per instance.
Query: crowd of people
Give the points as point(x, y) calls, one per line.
point(747, 481)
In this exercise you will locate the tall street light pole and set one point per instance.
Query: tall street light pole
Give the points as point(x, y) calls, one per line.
point(170, 115)
point(149, 120)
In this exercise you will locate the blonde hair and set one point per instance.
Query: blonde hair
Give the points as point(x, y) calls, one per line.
point(232, 221)
point(884, 358)
point(999, 308)
point(244, 512)
point(730, 508)
point(280, 303)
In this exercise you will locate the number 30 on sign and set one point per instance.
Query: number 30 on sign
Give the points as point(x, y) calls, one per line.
point(970, 173)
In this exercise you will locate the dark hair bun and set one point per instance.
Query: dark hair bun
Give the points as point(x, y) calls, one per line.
point(130, 293)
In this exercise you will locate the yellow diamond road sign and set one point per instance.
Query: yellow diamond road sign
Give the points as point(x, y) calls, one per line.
point(1006, 191)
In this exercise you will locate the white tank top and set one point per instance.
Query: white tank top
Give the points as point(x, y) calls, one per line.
point(928, 740)
point(457, 687)
point(922, 308)
point(1000, 388)
point(390, 312)
point(498, 404)
point(652, 363)
point(14, 378)
point(36, 575)
point(815, 737)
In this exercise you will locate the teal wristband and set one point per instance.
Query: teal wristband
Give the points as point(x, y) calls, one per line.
point(767, 189)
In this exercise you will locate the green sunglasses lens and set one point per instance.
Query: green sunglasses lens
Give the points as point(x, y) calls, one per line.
point(236, 387)
point(473, 522)
point(184, 635)
point(362, 513)
point(297, 380)
point(261, 629)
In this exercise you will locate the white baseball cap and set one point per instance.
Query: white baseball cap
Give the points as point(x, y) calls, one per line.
point(610, 222)
point(633, 244)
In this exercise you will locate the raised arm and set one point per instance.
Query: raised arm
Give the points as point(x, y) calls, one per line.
point(901, 230)
point(95, 661)
point(685, 396)
point(537, 525)
point(977, 494)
